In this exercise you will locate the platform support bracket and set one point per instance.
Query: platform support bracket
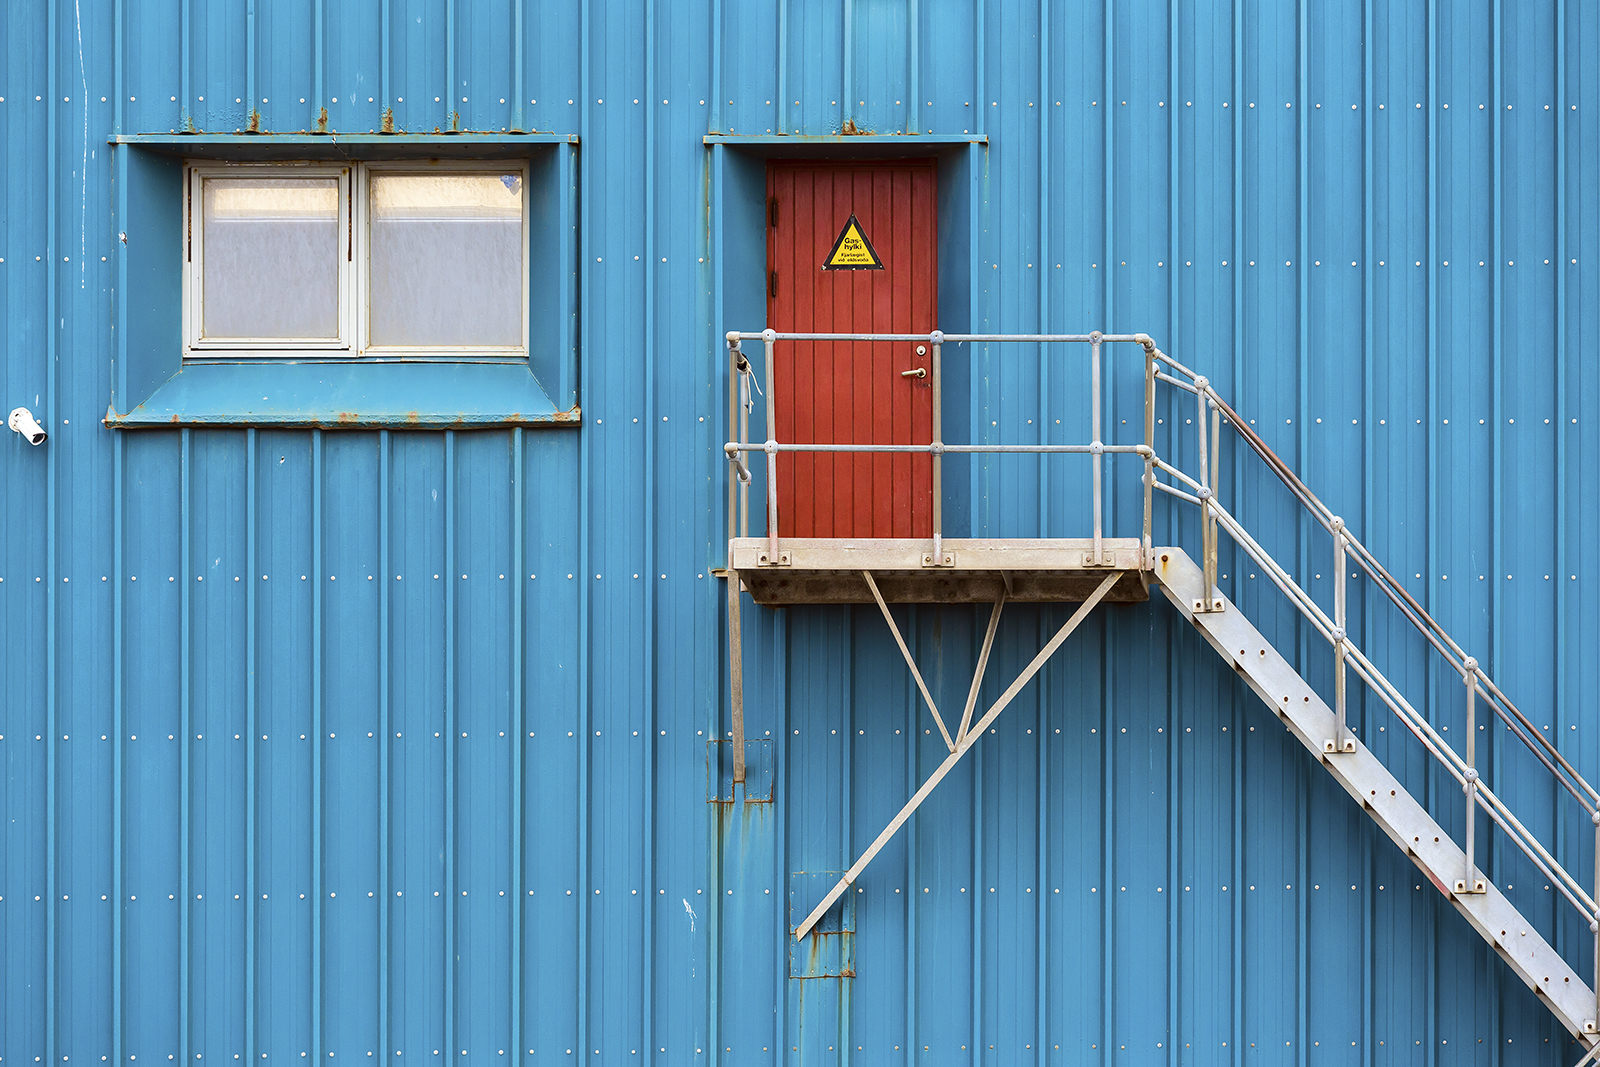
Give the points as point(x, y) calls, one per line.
point(736, 673)
point(961, 749)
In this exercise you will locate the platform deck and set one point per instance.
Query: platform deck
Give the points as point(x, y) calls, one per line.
point(1034, 570)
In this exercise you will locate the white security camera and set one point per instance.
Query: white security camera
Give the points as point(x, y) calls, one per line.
point(23, 422)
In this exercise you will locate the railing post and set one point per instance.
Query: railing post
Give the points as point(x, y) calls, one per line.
point(1208, 530)
point(1150, 445)
point(1594, 926)
point(1469, 674)
point(735, 358)
point(936, 342)
point(1215, 485)
point(769, 338)
point(744, 438)
point(1341, 741)
point(1096, 448)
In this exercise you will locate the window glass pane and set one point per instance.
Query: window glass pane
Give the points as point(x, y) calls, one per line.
point(446, 259)
point(271, 258)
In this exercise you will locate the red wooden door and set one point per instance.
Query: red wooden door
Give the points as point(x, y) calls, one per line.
point(841, 392)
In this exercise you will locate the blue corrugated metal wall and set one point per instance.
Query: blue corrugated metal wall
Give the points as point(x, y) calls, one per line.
point(1373, 224)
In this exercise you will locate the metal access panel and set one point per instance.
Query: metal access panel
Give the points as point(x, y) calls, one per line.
point(852, 248)
point(829, 949)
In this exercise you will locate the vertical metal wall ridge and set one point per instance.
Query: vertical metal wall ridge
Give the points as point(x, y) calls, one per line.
point(251, 88)
point(318, 62)
point(783, 68)
point(586, 178)
point(1497, 384)
point(119, 735)
point(518, 77)
point(1236, 1037)
point(185, 55)
point(252, 754)
point(119, 539)
point(980, 91)
point(52, 420)
point(448, 912)
point(1042, 255)
point(519, 724)
point(1108, 766)
point(848, 66)
point(847, 822)
point(452, 116)
point(1175, 823)
point(385, 630)
point(186, 797)
point(1562, 500)
point(1041, 934)
point(909, 709)
point(386, 49)
point(1302, 1040)
point(913, 65)
point(1497, 472)
point(648, 873)
point(1432, 391)
point(317, 666)
point(1370, 840)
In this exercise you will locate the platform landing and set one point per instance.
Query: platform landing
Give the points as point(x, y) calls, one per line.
point(827, 570)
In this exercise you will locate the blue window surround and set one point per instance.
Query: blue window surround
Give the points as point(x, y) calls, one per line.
point(152, 385)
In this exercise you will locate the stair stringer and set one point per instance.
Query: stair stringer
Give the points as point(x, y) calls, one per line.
point(1304, 714)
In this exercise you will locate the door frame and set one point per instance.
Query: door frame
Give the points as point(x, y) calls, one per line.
point(737, 279)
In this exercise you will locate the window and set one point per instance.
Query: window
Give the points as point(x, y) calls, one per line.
point(366, 260)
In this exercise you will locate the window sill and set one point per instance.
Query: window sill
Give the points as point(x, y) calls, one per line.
point(340, 395)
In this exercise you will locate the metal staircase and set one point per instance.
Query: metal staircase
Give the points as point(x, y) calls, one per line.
point(778, 570)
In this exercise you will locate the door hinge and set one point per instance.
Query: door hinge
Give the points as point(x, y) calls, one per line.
point(772, 284)
point(772, 212)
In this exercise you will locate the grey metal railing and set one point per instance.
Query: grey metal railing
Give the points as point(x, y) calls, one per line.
point(741, 382)
point(1463, 767)
point(1200, 490)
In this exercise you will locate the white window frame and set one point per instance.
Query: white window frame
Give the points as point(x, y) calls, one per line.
point(196, 344)
point(361, 196)
point(354, 299)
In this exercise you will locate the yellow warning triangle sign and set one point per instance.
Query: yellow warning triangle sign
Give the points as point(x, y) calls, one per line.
point(851, 250)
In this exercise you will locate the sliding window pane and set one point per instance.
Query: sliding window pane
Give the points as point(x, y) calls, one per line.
point(446, 259)
point(271, 258)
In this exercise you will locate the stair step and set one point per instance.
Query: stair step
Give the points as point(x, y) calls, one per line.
point(1381, 795)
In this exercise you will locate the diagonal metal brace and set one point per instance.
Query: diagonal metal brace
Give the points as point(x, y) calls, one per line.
point(983, 664)
point(951, 760)
point(1592, 1056)
point(906, 652)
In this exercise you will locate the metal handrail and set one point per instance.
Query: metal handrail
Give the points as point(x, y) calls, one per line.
point(1475, 679)
point(741, 379)
point(1212, 412)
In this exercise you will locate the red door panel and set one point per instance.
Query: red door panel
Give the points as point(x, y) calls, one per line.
point(841, 392)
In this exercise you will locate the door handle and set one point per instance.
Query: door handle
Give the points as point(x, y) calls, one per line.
point(920, 372)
